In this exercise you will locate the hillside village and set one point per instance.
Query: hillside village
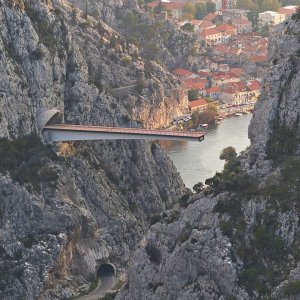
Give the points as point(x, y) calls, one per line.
point(233, 48)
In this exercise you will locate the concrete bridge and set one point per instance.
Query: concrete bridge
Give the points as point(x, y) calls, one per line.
point(49, 123)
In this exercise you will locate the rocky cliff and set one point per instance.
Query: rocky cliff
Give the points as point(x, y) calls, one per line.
point(238, 238)
point(157, 38)
point(62, 217)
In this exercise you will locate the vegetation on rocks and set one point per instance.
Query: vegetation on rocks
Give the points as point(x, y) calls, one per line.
point(28, 161)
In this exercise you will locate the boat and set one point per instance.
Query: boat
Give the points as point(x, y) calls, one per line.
point(203, 125)
point(220, 119)
point(238, 114)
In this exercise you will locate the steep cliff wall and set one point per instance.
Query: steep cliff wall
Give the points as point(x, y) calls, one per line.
point(239, 238)
point(157, 39)
point(62, 217)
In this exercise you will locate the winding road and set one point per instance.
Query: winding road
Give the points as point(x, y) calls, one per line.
point(106, 283)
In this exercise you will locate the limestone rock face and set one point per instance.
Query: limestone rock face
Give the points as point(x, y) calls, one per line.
point(275, 124)
point(195, 260)
point(62, 217)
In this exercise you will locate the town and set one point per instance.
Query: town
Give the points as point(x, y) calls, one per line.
point(233, 48)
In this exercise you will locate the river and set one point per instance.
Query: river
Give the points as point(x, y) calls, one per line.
point(198, 161)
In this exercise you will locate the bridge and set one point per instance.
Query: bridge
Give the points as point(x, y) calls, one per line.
point(49, 123)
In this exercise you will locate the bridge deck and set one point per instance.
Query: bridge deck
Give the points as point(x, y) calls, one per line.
point(119, 131)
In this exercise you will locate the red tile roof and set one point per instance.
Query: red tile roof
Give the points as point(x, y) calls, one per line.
point(210, 17)
point(209, 31)
point(213, 90)
point(152, 4)
point(225, 28)
point(288, 10)
point(182, 72)
point(172, 5)
point(206, 24)
point(198, 103)
point(260, 58)
point(253, 85)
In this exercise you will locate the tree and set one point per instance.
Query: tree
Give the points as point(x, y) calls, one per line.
point(198, 187)
point(187, 27)
point(228, 153)
point(159, 8)
point(193, 94)
point(246, 4)
point(269, 5)
point(201, 11)
point(189, 11)
point(264, 31)
point(210, 7)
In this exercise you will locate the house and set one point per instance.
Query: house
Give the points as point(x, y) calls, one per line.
point(212, 17)
point(213, 92)
point(211, 37)
point(231, 14)
point(197, 84)
point(254, 86)
point(242, 25)
point(199, 25)
point(240, 92)
point(221, 78)
point(227, 31)
point(219, 4)
point(231, 4)
point(199, 104)
point(288, 11)
point(224, 67)
point(174, 9)
point(270, 18)
point(183, 74)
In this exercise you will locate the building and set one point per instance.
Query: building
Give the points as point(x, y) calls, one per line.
point(199, 25)
point(231, 14)
point(174, 9)
point(219, 4)
point(231, 4)
point(227, 31)
point(270, 18)
point(199, 104)
point(213, 92)
point(242, 25)
point(211, 37)
point(183, 74)
point(212, 17)
point(288, 11)
point(220, 79)
point(197, 84)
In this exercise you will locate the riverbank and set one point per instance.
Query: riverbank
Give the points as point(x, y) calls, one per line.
point(199, 161)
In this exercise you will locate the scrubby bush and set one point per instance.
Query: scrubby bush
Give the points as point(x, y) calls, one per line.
point(126, 60)
point(153, 253)
point(292, 288)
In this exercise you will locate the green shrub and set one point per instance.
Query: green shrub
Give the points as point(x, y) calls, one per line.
point(269, 243)
point(226, 228)
point(38, 53)
point(187, 27)
point(183, 201)
point(193, 95)
point(153, 253)
point(292, 288)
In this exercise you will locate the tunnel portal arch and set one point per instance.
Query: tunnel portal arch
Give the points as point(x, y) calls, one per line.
point(106, 270)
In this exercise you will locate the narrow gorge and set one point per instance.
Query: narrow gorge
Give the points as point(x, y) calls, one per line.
point(121, 206)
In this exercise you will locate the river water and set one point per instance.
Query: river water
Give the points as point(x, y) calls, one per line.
point(197, 161)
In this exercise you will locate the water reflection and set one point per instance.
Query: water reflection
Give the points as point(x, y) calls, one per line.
point(197, 161)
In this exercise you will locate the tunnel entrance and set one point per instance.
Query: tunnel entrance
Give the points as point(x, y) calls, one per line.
point(106, 270)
